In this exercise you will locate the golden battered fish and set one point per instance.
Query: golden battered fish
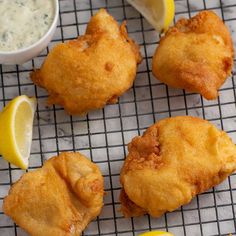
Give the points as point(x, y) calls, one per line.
point(176, 159)
point(196, 55)
point(93, 70)
point(59, 199)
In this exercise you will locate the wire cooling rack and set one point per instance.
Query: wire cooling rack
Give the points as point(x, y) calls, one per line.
point(104, 134)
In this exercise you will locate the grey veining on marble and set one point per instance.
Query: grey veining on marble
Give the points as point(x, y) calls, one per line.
point(103, 135)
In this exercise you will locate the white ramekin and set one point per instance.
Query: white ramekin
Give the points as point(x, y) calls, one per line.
point(25, 54)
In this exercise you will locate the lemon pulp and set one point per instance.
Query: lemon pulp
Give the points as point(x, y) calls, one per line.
point(22, 127)
point(16, 124)
point(159, 13)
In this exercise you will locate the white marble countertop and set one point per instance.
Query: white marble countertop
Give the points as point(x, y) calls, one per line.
point(103, 134)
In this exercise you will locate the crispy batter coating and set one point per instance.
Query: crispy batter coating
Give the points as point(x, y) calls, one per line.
point(59, 199)
point(196, 55)
point(93, 70)
point(176, 159)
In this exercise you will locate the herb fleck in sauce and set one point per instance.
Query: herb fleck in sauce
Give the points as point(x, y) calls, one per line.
point(24, 22)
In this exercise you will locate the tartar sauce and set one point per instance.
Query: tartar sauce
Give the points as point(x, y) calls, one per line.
point(24, 22)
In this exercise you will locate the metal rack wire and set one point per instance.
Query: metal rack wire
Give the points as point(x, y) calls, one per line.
point(104, 134)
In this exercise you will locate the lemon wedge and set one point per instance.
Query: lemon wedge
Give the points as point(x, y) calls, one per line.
point(16, 125)
point(159, 13)
point(156, 233)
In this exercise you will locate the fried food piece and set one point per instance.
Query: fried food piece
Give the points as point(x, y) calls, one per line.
point(93, 70)
point(176, 159)
point(59, 199)
point(196, 55)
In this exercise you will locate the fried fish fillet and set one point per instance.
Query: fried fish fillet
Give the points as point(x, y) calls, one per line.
point(176, 159)
point(196, 55)
point(93, 70)
point(59, 199)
